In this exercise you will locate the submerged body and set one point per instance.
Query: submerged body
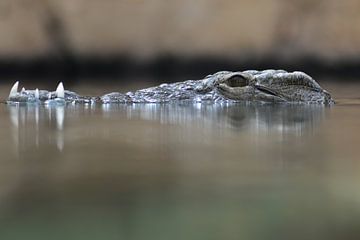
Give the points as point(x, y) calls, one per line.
point(225, 86)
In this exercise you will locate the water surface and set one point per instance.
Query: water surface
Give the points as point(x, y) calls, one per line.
point(181, 171)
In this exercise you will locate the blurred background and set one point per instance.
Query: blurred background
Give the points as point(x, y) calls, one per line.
point(112, 39)
point(178, 171)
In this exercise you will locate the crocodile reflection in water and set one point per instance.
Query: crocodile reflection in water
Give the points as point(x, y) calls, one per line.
point(209, 118)
point(297, 119)
point(225, 86)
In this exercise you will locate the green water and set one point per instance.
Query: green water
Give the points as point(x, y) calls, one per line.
point(181, 171)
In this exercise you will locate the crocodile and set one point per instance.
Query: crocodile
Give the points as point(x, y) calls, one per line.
point(274, 86)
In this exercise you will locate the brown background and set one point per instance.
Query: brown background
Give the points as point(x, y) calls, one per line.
point(145, 29)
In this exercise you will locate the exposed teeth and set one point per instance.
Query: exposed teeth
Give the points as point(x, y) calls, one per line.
point(37, 94)
point(23, 90)
point(60, 92)
point(14, 90)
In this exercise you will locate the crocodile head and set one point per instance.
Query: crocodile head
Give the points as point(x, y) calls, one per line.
point(270, 86)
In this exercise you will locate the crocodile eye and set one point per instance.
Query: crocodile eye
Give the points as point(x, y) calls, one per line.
point(237, 81)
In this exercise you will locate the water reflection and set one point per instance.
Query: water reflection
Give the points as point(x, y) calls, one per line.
point(247, 171)
point(297, 119)
point(32, 125)
point(33, 122)
point(29, 121)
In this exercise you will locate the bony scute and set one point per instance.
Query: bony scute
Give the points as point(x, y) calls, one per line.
point(269, 86)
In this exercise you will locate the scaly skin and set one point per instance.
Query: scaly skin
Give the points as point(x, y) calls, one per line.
point(225, 86)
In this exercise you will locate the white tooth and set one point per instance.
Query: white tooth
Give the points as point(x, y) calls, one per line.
point(37, 94)
point(14, 90)
point(60, 92)
point(23, 90)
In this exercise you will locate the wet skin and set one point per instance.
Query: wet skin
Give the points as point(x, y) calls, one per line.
point(247, 86)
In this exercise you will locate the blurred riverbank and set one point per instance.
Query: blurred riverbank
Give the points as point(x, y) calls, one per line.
point(50, 39)
point(147, 29)
point(119, 69)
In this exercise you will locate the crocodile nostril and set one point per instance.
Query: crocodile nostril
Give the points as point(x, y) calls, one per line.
point(237, 81)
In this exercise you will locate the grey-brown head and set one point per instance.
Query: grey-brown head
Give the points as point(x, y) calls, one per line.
point(270, 86)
